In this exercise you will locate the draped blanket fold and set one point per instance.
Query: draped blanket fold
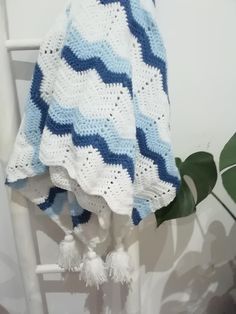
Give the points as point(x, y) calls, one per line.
point(94, 140)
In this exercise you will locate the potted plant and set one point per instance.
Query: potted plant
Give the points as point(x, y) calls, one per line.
point(198, 178)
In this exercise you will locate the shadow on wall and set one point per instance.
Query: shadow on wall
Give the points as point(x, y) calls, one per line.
point(204, 286)
point(3, 310)
point(165, 250)
point(70, 282)
point(194, 286)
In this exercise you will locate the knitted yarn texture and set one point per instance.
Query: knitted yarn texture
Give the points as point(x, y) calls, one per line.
point(94, 141)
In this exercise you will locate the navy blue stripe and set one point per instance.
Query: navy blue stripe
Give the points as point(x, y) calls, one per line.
point(158, 159)
point(81, 219)
point(95, 141)
point(51, 197)
point(139, 32)
point(35, 95)
point(96, 63)
point(136, 217)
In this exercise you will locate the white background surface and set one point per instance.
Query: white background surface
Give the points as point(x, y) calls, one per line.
point(185, 266)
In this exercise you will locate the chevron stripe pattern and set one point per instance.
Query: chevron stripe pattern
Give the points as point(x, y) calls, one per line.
point(96, 122)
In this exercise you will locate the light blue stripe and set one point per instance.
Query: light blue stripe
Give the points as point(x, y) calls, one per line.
point(145, 19)
point(142, 206)
point(33, 134)
point(87, 126)
point(86, 50)
point(58, 205)
point(75, 208)
point(154, 141)
point(19, 184)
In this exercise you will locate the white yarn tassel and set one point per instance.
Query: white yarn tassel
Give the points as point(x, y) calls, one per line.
point(93, 270)
point(120, 265)
point(69, 257)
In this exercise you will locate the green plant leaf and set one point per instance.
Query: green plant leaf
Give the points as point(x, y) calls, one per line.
point(228, 154)
point(183, 205)
point(201, 168)
point(229, 182)
point(228, 167)
point(178, 162)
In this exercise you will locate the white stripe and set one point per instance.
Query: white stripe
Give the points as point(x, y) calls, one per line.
point(98, 22)
point(92, 174)
point(95, 99)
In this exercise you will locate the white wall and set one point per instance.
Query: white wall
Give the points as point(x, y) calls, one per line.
point(185, 266)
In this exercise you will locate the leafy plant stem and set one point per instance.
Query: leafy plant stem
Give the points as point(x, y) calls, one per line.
point(223, 204)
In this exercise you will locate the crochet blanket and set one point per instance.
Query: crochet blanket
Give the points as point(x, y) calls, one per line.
point(94, 140)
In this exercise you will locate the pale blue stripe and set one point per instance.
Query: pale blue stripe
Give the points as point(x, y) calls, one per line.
point(85, 50)
point(75, 208)
point(142, 206)
point(145, 19)
point(58, 205)
point(154, 141)
point(19, 184)
point(88, 126)
point(33, 134)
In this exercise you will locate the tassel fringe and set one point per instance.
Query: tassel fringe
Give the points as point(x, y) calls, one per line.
point(120, 266)
point(69, 257)
point(93, 270)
